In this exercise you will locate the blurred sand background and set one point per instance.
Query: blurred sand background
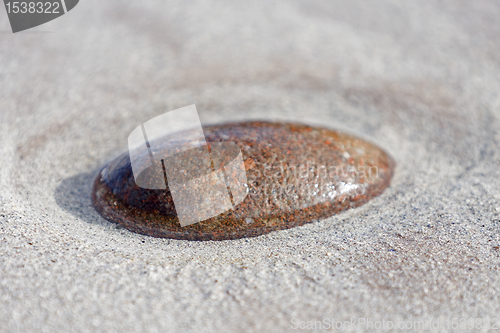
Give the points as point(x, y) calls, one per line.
point(421, 79)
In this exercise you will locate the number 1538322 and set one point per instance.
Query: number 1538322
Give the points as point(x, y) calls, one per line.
point(32, 7)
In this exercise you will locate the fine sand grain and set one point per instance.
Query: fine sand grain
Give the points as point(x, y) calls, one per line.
point(420, 79)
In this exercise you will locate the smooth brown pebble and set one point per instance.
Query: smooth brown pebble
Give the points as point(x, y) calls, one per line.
point(296, 174)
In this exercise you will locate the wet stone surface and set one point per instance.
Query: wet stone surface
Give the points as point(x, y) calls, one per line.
point(296, 174)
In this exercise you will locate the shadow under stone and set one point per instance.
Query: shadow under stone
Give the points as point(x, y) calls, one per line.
point(73, 195)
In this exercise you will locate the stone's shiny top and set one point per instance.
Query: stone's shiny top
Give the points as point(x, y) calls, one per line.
point(295, 174)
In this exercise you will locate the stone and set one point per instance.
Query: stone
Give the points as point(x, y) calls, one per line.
point(296, 174)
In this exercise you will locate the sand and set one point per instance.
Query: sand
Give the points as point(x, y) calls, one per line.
point(421, 79)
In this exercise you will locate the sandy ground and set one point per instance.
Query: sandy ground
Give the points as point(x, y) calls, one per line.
point(421, 79)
